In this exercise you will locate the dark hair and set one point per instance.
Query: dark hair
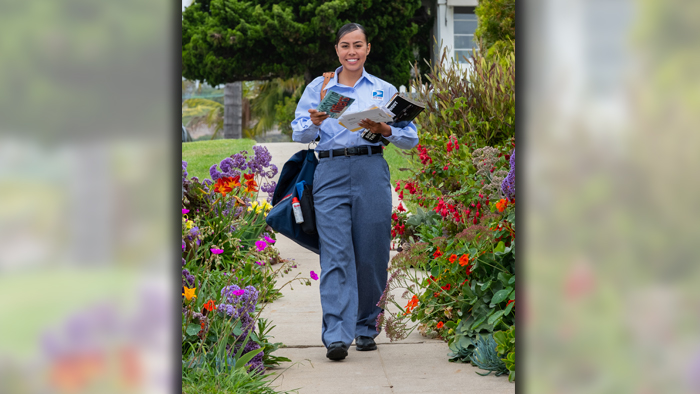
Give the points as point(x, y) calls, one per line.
point(348, 28)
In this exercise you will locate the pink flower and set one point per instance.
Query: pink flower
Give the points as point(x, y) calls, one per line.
point(238, 292)
point(269, 240)
point(314, 276)
point(259, 263)
point(261, 245)
point(217, 251)
point(184, 211)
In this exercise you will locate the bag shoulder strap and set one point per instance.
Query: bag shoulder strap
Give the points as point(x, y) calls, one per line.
point(326, 77)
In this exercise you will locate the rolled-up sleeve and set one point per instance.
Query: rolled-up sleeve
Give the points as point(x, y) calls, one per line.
point(303, 130)
point(403, 137)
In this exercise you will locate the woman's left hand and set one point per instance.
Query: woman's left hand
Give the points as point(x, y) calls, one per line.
point(376, 127)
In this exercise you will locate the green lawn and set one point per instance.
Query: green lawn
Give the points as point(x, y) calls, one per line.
point(396, 159)
point(201, 155)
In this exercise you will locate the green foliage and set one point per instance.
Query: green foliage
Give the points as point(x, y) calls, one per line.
point(485, 357)
point(230, 40)
point(271, 102)
point(204, 112)
point(506, 349)
point(478, 108)
point(496, 30)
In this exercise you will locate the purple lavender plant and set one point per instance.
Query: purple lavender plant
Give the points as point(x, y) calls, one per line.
point(240, 304)
point(508, 185)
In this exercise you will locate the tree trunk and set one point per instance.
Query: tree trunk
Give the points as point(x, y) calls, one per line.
point(233, 110)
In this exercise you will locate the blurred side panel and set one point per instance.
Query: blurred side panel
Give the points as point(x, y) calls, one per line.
point(86, 139)
point(611, 152)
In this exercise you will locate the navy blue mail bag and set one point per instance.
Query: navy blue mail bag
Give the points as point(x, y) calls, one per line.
point(300, 167)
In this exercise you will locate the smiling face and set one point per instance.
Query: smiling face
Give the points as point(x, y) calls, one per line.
point(352, 50)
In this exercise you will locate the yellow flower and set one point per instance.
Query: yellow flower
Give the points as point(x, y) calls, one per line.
point(266, 205)
point(189, 293)
point(254, 205)
point(189, 224)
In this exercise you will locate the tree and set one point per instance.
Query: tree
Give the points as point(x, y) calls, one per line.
point(496, 26)
point(229, 40)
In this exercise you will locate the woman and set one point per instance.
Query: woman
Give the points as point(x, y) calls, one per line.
point(352, 197)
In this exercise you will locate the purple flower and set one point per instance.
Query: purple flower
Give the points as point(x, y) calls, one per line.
point(217, 251)
point(269, 240)
point(314, 276)
point(215, 174)
point(260, 245)
point(184, 211)
point(508, 185)
point(238, 292)
point(183, 245)
point(259, 263)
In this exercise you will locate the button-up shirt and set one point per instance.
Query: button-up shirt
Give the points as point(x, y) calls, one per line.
point(368, 91)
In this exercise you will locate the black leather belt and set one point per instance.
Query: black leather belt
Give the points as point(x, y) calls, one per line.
point(354, 151)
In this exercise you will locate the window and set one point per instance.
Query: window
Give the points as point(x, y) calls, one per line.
point(464, 27)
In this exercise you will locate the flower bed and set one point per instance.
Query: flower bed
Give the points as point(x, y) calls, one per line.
point(229, 270)
point(456, 265)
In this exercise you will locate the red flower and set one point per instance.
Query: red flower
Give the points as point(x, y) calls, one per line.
point(501, 205)
point(440, 325)
point(437, 253)
point(400, 208)
point(209, 305)
point(398, 186)
point(395, 217)
point(447, 287)
point(510, 302)
point(453, 258)
point(222, 186)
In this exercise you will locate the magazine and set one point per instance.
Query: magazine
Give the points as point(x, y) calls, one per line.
point(334, 104)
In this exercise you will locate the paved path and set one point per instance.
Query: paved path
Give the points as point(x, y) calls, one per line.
point(414, 365)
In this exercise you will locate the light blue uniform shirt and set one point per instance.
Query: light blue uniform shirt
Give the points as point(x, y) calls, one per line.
point(368, 91)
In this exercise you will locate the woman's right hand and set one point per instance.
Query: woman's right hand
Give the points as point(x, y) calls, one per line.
point(317, 117)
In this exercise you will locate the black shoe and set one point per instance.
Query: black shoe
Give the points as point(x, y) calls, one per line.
point(337, 351)
point(365, 343)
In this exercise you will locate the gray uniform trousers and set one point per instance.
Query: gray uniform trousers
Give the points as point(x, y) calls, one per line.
point(352, 199)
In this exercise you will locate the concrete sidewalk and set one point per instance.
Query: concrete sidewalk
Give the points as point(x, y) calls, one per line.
point(414, 365)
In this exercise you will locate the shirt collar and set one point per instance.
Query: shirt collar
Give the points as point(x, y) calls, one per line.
point(365, 75)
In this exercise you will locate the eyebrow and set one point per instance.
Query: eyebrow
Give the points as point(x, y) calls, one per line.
point(345, 42)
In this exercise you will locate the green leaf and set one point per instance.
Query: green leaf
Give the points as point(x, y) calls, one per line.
point(501, 295)
point(238, 330)
point(512, 280)
point(511, 376)
point(500, 247)
point(486, 285)
point(451, 324)
point(478, 323)
point(435, 271)
point(509, 308)
point(193, 329)
point(247, 357)
point(495, 316)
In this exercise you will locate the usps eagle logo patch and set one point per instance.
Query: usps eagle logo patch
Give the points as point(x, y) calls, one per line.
point(377, 95)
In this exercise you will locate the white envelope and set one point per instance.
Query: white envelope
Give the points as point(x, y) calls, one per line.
point(376, 114)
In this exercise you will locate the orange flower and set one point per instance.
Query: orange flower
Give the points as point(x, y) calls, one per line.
point(453, 258)
point(251, 186)
point(234, 182)
point(464, 260)
point(412, 303)
point(437, 253)
point(209, 305)
point(501, 205)
point(248, 176)
point(440, 325)
point(223, 185)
